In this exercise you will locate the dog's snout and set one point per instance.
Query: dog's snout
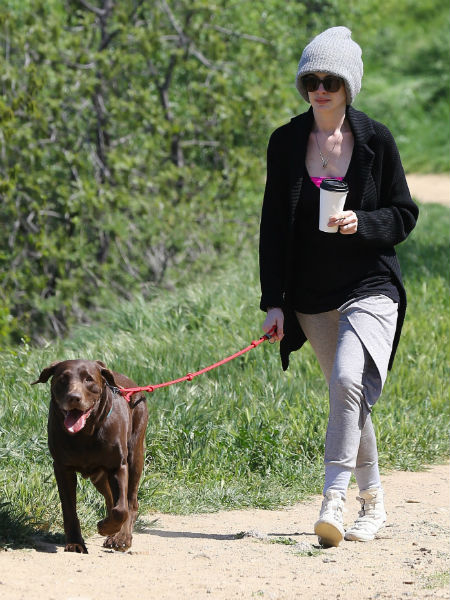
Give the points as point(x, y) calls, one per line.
point(73, 397)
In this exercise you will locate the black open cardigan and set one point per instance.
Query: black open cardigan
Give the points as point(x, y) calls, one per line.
point(386, 216)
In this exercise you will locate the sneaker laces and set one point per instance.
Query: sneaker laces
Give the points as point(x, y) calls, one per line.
point(362, 512)
point(368, 513)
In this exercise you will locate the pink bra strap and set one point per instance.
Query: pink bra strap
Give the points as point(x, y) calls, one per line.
point(318, 180)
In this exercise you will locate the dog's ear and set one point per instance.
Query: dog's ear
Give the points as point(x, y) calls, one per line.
point(47, 373)
point(108, 376)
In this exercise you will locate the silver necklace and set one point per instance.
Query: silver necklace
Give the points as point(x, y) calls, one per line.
point(323, 157)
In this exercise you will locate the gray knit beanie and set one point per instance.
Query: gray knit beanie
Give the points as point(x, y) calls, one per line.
point(332, 51)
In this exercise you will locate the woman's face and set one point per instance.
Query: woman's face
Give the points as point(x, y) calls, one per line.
point(327, 101)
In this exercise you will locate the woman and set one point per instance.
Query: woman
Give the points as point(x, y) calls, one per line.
point(341, 291)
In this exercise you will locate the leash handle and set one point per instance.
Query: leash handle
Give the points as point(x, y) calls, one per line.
point(271, 332)
point(128, 392)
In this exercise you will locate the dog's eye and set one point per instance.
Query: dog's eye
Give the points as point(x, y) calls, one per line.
point(62, 379)
point(93, 387)
point(88, 378)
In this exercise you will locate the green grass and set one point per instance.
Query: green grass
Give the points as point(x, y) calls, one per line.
point(309, 553)
point(284, 541)
point(440, 579)
point(245, 434)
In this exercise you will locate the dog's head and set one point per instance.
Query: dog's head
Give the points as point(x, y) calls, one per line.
point(77, 388)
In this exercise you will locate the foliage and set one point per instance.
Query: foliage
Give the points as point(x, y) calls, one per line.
point(133, 134)
point(122, 123)
point(407, 82)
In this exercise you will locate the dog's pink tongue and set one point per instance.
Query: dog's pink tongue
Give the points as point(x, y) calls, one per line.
point(75, 420)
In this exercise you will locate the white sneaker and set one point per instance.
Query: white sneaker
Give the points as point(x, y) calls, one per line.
point(372, 516)
point(330, 526)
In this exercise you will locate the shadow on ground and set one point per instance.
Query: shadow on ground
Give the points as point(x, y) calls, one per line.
point(19, 530)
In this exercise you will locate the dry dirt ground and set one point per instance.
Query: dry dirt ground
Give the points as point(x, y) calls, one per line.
point(257, 553)
point(430, 188)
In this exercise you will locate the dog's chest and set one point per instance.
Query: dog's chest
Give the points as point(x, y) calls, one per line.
point(87, 454)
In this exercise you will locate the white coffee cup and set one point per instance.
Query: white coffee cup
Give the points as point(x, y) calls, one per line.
point(333, 193)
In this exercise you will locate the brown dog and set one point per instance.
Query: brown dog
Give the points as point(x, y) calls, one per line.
point(94, 431)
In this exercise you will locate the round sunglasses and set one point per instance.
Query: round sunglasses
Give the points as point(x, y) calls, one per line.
point(331, 83)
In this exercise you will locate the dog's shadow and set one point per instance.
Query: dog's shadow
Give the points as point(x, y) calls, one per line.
point(43, 543)
point(18, 531)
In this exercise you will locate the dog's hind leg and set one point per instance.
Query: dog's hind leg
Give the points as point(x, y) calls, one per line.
point(135, 467)
point(101, 482)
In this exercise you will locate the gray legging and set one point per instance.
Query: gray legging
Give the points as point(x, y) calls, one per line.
point(353, 345)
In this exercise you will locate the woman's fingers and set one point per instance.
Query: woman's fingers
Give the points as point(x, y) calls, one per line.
point(274, 318)
point(346, 220)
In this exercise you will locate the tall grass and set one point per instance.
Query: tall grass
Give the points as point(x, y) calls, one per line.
point(245, 434)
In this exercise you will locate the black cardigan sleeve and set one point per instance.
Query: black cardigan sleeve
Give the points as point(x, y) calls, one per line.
point(272, 241)
point(394, 220)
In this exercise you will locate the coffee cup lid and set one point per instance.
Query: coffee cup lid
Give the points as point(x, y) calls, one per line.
point(334, 185)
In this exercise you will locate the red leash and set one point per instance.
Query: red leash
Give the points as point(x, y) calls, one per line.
point(128, 392)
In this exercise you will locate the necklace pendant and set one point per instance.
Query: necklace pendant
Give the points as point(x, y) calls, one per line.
point(324, 163)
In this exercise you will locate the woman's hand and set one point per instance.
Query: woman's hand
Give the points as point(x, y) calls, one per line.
point(346, 220)
point(275, 318)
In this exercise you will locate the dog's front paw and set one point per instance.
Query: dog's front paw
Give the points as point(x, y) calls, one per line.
point(80, 548)
point(108, 526)
point(120, 542)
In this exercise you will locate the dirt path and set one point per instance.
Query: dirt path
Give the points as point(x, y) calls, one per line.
point(256, 554)
point(430, 188)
